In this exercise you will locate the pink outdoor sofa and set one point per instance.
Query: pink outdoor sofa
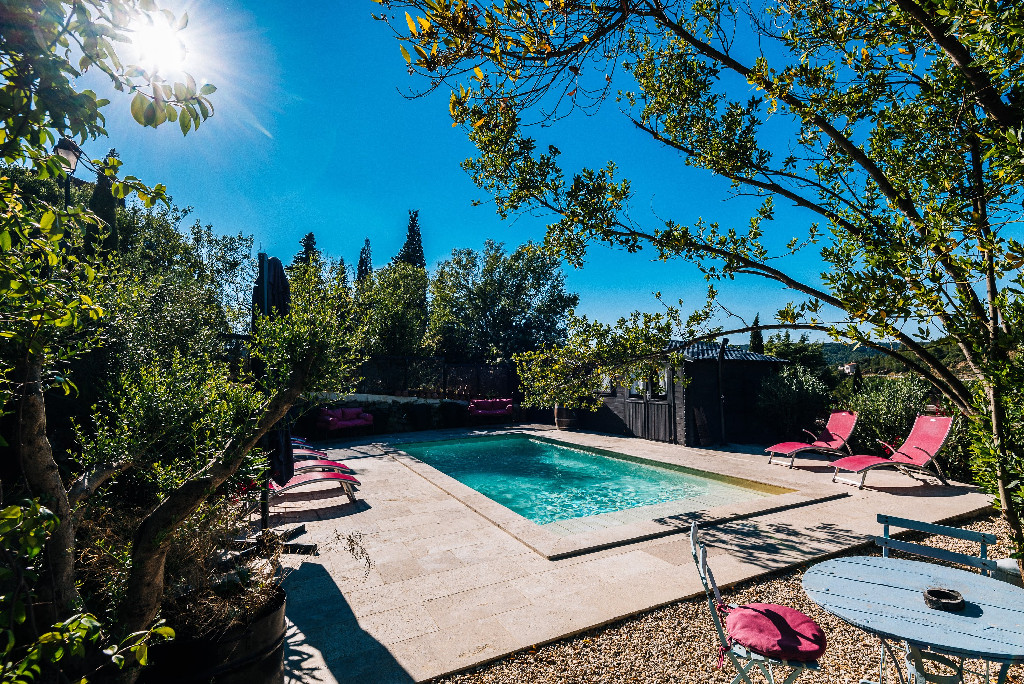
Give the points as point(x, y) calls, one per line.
point(340, 418)
point(491, 407)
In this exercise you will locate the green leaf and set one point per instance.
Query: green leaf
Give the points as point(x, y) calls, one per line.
point(46, 222)
point(139, 103)
point(182, 21)
point(208, 89)
point(5, 240)
point(185, 122)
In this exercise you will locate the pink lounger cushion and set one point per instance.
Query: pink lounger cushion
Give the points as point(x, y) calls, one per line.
point(322, 463)
point(307, 478)
point(790, 447)
point(855, 464)
point(776, 632)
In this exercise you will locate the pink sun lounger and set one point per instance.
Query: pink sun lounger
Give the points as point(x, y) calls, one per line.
point(832, 440)
point(315, 464)
point(344, 480)
point(915, 455)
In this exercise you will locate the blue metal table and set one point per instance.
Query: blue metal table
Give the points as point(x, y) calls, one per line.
point(884, 596)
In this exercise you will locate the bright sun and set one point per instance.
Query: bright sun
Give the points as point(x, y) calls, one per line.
point(158, 46)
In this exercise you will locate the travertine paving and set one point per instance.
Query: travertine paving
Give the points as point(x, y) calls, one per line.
point(452, 583)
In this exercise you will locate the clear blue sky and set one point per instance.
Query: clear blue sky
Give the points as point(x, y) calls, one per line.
point(311, 133)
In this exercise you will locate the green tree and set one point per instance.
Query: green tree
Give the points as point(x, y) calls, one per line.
point(103, 203)
point(50, 315)
point(802, 352)
point(309, 250)
point(364, 267)
point(573, 372)
point(390, 302)
point(47, 288)
point(897, 127)
point(412, 250)
point(756, 336)
point(493, 304)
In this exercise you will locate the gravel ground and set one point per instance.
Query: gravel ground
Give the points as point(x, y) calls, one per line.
point(677, 643)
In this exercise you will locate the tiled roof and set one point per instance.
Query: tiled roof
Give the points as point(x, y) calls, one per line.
point(701, 351)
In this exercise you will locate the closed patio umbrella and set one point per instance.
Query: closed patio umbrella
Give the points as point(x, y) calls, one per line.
point(271, 296)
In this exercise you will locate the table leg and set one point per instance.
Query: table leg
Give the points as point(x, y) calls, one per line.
point(917, 671)
point(882, 678)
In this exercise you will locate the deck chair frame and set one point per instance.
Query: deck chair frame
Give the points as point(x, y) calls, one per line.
point(744, 660)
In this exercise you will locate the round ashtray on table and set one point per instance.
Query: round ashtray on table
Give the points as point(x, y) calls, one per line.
point(940, 598)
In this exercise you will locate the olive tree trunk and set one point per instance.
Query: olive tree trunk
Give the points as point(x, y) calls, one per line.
point(43, 478)
point(145, 586)
point(1007, 505)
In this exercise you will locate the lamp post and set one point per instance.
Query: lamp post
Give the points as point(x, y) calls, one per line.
point(71, 152)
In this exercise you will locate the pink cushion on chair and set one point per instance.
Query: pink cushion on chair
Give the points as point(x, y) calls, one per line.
point(775, 632)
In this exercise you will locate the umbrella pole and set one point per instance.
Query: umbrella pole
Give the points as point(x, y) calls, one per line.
point(265, 507)
point(265, 491)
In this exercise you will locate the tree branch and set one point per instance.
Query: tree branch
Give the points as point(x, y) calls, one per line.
point(984, 91)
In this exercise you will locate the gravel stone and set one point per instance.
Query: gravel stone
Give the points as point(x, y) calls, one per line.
point(677, 643)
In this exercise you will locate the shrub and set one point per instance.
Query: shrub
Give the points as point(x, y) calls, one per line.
point(886, 409)
point(792, 399)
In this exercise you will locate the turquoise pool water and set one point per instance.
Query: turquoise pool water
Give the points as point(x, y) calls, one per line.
point(547, 482)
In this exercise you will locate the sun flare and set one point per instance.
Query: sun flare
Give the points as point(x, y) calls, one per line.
point(158, 46)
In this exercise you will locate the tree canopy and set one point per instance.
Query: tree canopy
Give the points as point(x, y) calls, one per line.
point(897, 127)
point(493, 304)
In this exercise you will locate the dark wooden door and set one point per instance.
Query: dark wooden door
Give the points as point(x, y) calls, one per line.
point(650, 419)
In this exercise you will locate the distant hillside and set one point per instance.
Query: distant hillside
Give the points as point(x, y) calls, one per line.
point(837, 353)
point(873, 361)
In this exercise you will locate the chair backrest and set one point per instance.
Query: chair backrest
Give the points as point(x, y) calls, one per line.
point(982, 561)
point(925, 440)
point(838, 429)
point(707, 578)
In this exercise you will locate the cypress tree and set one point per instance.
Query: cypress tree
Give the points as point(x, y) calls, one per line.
point(343, 272)
point(309, 249)
point(756, 338)
point(103, 203)
point(412, 251)
point(364, 268)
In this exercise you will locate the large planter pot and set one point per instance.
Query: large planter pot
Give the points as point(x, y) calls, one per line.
point(565, 419)
point(253, 654)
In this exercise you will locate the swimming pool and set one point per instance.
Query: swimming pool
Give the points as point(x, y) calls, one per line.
point(546, 481)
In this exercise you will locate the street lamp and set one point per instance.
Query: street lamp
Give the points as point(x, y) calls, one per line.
point(71, 153)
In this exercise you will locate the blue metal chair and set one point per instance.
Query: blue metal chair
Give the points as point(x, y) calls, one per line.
point(743, 659)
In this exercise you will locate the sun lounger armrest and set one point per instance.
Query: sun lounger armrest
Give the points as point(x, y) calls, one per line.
point(928, 453)
point(888, 446)
point(813, 436)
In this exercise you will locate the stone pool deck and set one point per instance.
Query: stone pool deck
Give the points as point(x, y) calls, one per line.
point(456, 580)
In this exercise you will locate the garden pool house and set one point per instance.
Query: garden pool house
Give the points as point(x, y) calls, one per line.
point(705, 401)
